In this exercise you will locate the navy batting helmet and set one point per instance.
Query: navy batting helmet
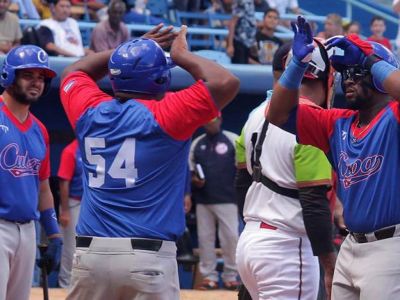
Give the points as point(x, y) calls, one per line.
point(379, 50)
point(25, 57)
point(140, 66)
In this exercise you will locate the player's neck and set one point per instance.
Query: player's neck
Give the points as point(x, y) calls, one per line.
point(368, 114)
point(19, 110)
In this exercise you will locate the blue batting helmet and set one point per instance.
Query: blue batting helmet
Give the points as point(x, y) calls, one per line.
point(140, 66)
point(25, 57)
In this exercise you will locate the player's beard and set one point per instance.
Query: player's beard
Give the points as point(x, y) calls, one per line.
point(19, 94)
point(361, 101)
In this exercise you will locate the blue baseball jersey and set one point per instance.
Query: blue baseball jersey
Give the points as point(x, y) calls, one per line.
point(134, 156)
point(71, 169)
point(365, 159)
point(24, 162)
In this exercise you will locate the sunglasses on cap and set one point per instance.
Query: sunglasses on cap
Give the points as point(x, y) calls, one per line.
point(354, 74)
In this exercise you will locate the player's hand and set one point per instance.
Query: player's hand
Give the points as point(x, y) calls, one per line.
point(230, 50)
point(352, 50)
point(164, 37)
point(52, 257)
point(179, 45)
point(65, 217)
point(302, 42)
point(197, 182)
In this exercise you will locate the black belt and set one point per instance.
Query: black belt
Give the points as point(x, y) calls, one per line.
point(18, 222)
point(137, 244)
point(380, 234)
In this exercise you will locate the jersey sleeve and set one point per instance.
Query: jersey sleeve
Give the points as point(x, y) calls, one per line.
point(311, 166)
point(313, 125)
point(179, 114)
point(240, 149)
point(79, 92)
point(67, 163)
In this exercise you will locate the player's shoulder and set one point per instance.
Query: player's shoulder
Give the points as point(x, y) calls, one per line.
point(41, 126)
point(231, 136)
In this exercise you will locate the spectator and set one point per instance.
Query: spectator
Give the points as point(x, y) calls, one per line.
point(27, 9)
point(70, 182)
point(10, 32)
point(42, 7)
point(267, 42)
point(242, 32)
point(284, 6)
point(353, 27)
point(261, 5)
point(95, 8)
point(216, 204)
point(108, 34)
point(333, 26)
point(65, 38)
point(140, 14)
point(187, 5)
point(378, 28)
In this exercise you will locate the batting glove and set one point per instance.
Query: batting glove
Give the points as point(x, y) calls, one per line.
point(52, 257)
point(302, 42)
point(353, 51)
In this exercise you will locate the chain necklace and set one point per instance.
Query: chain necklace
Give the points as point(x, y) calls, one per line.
point(356, 136)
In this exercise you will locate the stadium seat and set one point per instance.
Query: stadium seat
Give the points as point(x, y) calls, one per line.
point(215, 55)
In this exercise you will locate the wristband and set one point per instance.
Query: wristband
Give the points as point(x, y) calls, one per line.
point(381, 70)
point(293, 75)
point(48, 219)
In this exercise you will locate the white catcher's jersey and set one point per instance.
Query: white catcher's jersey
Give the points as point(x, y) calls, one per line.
point(288, 164)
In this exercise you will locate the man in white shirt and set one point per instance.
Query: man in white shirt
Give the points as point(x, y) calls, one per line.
point(283, 5)
point(64, 37)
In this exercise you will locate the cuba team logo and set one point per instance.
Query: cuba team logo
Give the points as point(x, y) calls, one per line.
point(18, 164)
point(359, 169)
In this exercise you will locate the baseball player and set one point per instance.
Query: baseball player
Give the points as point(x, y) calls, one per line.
point(362, 144)
point(134, 150)
point(286, 210)
point(25, 193)
point(70, 183)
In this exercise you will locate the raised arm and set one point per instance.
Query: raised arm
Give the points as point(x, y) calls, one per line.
point(96, 65)
point(222, 84)
point(286, 91)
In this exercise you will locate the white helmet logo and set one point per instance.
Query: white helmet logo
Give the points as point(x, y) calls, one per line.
point(42, 56)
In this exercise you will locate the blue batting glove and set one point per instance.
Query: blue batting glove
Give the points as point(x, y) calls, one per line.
point(344, 52)
point(302, 46)
point(52, 257)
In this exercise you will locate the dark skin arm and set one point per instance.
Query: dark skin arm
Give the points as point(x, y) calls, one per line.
point(96, 65)
point(282, 102)
point(222, 85)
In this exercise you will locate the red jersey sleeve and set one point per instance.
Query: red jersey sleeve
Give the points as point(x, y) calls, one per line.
point(44, 171)
point(315, 126)
point(67, 162)
point(79, 92)
point(179, 114)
